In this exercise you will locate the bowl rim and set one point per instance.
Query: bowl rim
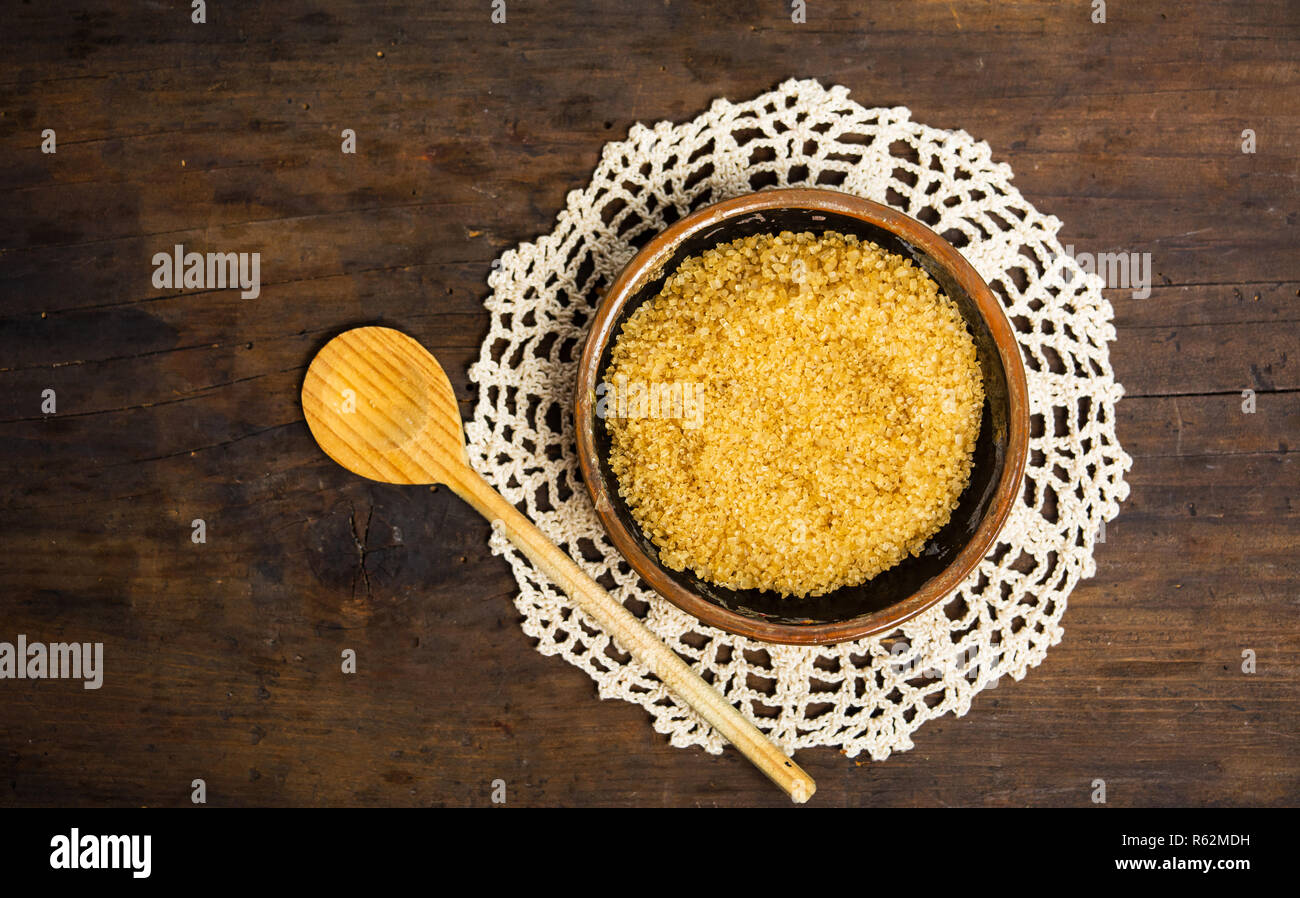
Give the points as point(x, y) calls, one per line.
point(654, 254)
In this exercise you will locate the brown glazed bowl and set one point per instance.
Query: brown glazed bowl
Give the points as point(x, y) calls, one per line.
point(918, 582)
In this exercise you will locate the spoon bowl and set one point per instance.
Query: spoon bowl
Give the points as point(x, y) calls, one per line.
point(381, 406)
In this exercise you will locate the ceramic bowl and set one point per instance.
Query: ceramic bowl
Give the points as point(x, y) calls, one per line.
point(918, 582)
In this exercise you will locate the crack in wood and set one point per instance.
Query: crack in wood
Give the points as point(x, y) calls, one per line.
point(1237, 392)
point(360, 541)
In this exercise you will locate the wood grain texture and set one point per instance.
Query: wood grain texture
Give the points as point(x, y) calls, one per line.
point(223, 658)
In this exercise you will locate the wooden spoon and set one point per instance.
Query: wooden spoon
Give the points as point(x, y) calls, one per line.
point(380, 405)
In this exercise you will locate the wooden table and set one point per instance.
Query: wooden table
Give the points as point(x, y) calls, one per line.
point(223, 658)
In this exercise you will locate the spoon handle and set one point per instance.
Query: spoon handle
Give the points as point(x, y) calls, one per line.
point(632, 635)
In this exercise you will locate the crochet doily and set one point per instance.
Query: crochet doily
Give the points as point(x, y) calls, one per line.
point(869, 695)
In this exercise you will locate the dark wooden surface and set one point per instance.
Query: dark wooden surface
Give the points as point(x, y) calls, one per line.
point(223, 659)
